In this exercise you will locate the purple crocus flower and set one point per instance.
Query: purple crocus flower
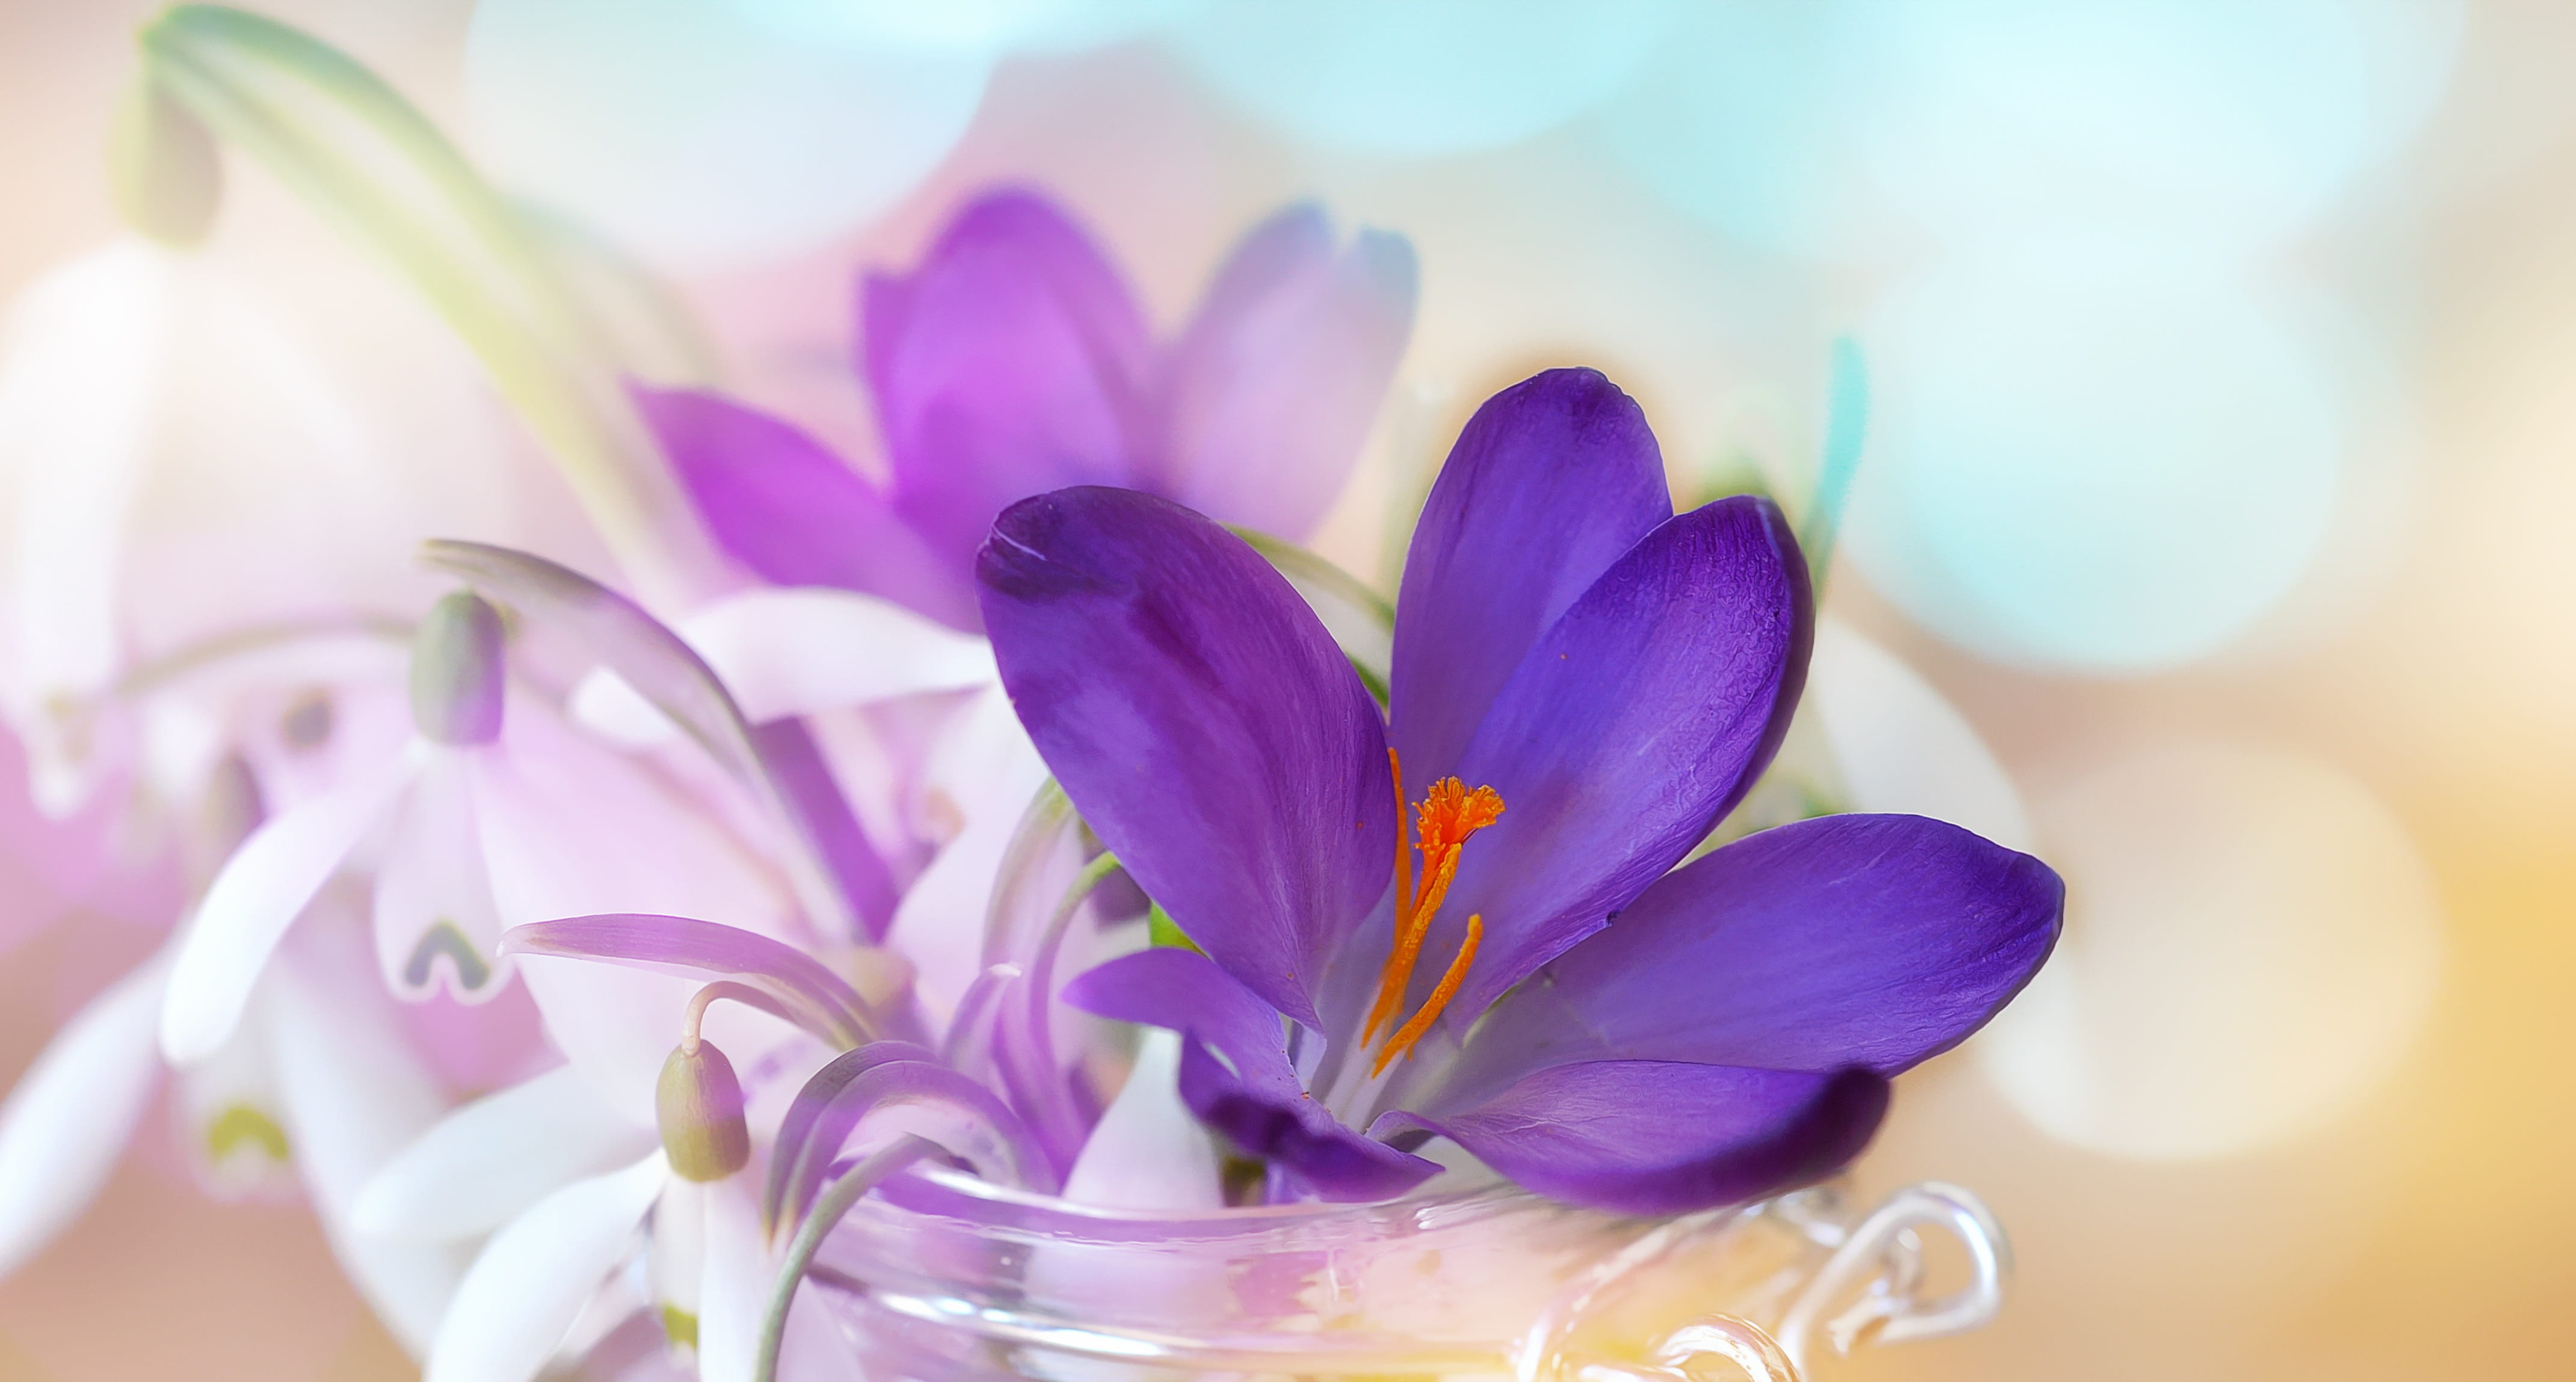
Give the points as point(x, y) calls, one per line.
point(1584, 683)
point(1015, 360)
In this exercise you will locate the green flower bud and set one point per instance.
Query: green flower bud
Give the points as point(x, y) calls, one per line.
point(457, 671)
point(166, 173)
point(699, 1103)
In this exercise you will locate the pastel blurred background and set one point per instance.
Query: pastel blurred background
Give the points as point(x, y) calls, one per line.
point(2221, 473)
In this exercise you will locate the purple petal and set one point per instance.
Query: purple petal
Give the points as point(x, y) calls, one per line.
point(1636, 722)
point(1275, 382)
point(1665, 1137)
point(1551, 480)
point(803, 990)
point(1202, 721)
point(805, 780)
point(1013, 361)
point(1235, 1073)
point(1310, 1147)
point(1871, 941)
point(782, 504)
point(1190, 994)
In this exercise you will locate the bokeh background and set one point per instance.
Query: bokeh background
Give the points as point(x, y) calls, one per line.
point(2221, 472)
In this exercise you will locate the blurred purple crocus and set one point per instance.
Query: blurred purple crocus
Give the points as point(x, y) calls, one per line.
point(1584, 683)
point(1015, 360)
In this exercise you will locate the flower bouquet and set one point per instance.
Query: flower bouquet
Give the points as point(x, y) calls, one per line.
point(1022, 916)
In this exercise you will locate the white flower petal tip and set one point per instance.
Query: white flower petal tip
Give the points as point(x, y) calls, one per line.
point(253, 900)
point(525, 1292)
point(803, 650)
point(436, 924)
point(733, 1295)
point(488, 1161)
point(1149, 1151)
point(1900, 747)
point(82, 354)
point(67, 1122)
point(353, 1092)
point(608, 705)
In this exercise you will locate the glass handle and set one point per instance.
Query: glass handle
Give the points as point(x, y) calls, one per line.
point(1886, 1251)
point(1683, 1353)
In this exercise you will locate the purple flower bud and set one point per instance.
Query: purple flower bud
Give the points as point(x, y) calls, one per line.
point(457, 671)
point(699, 1103)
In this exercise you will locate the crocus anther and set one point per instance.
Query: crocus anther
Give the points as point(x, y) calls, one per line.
point(1447, 815)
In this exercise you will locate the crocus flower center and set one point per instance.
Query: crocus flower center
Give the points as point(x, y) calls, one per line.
point(1447, 814)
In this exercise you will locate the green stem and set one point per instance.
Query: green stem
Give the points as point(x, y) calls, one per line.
point(181, 661)
point(1101, 866)
point(365, 158)
point(829, 1207)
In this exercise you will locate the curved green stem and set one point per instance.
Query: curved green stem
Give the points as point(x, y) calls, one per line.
point(179, 662)
point(829, 1207)
point(365, 158)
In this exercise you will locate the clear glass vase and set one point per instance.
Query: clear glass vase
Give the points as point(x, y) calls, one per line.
point(948, 1277)
point(942, 1276)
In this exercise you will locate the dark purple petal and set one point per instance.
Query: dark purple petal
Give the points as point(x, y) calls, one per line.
point(1235, 1073)
point(1011, 362)
point(804, 991)
point(782, 504)
point(1636, 722)
point(1189, 993)
point(1275, 382)
point(805, 780)
point(1665, 1137)
point(1872, 941)
point(1315, 1152)
point(1203, 723)
point(1551, 480)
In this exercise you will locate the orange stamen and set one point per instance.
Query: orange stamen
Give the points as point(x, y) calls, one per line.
point(1412, 1031)
point(1448, 815)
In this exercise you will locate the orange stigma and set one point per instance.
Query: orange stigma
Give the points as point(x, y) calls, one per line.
point(1447, 815)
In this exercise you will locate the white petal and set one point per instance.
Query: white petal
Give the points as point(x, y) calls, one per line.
point(610, 705)
point(355, 1095)
point(1900, 746)
point(526, 1290)
point(435, 921)
point(733, 1299)
point(986, 772)
point(67, 1122)
point(570, 828)
point(487, 1162)
point(85, 354)
point(734, 1294)
point(257, 895)
point(1148, 1151)
point(679, 1256)
point(235, 1120)
point(805, 650)
point(615, 1025)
